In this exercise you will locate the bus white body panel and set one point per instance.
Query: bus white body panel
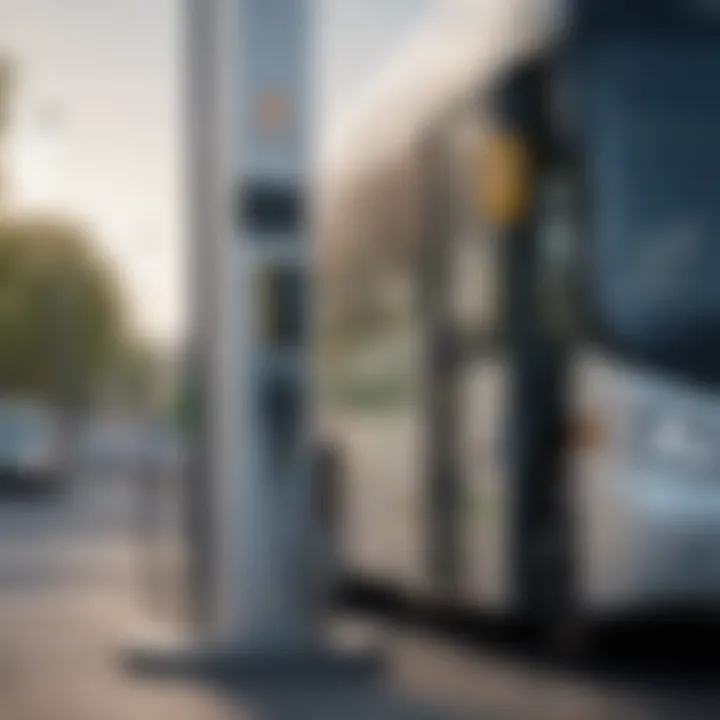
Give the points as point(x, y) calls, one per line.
point(648, 497)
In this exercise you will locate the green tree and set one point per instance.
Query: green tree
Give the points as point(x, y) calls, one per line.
point(61, 321)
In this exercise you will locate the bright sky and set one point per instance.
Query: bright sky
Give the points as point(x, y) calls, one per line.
point(99, 119)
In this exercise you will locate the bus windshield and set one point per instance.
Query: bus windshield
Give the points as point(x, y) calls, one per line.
point(654, 119)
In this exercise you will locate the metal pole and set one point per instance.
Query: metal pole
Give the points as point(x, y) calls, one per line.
point(198, 489)
point(442, 489)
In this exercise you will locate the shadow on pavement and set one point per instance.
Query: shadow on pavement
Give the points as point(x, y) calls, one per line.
point(333, 701)
point(668, 666)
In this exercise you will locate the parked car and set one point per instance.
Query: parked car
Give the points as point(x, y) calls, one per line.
point(30, 456)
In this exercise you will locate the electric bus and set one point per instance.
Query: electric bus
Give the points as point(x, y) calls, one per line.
point(529, 413)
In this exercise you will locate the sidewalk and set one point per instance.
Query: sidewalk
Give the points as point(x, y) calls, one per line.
point(71, 598)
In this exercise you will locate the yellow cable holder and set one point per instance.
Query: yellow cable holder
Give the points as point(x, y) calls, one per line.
point(504, 178)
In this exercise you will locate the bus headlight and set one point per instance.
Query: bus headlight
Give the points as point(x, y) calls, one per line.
point(678, 443)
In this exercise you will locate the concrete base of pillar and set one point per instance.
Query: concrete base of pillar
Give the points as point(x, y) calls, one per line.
point(173, 655)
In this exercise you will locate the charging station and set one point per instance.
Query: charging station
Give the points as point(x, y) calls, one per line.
point(255, 535)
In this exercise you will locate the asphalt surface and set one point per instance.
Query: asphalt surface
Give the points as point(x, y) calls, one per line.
point(75, 571)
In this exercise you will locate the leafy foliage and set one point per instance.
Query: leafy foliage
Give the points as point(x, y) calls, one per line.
point(60, 315)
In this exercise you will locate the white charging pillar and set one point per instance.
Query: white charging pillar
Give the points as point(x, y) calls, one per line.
point(260, 75)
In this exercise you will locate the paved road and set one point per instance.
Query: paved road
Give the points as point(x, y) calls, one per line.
point(68, 601)
point(69, 597)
